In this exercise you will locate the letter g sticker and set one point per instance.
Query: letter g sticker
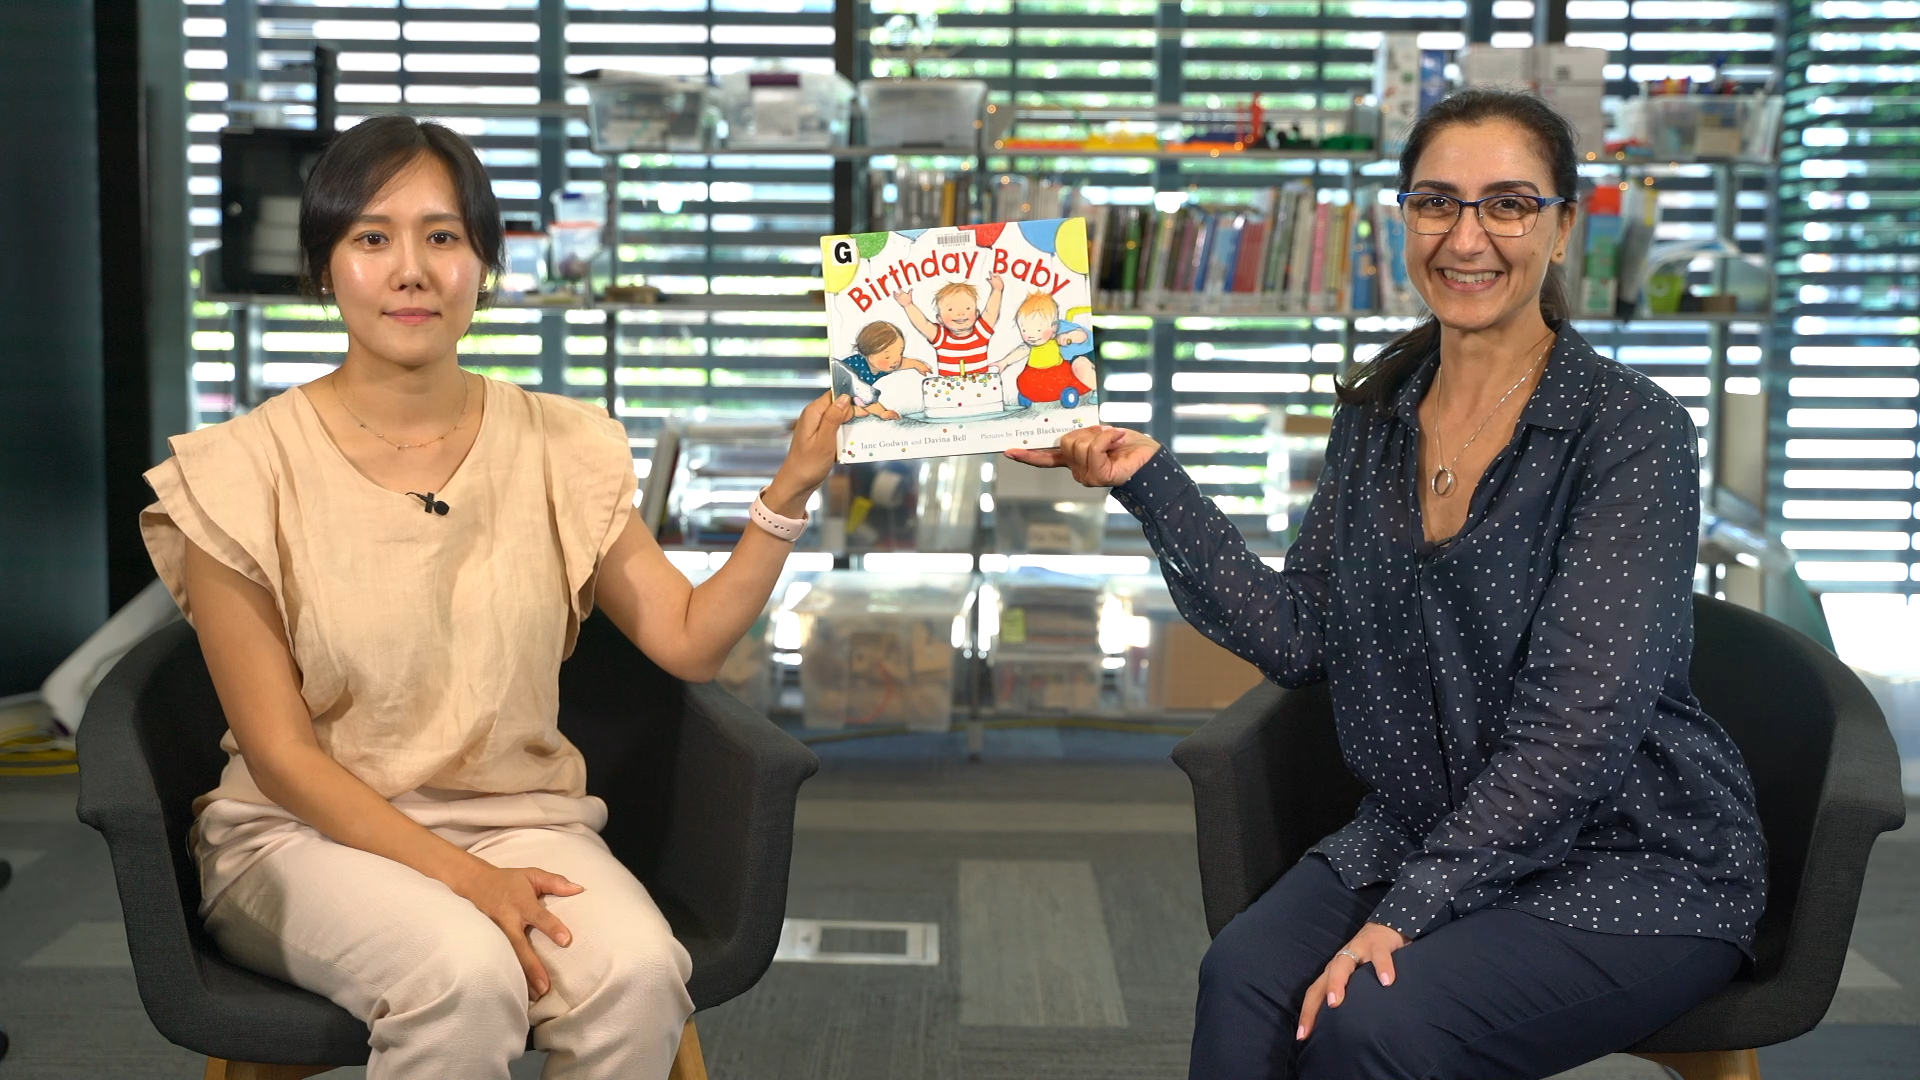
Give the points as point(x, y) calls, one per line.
point(843, 254)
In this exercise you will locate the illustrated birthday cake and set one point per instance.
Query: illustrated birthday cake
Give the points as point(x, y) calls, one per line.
point(972, 394)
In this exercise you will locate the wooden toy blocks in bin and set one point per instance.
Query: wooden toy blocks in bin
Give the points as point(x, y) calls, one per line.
point(878, 650)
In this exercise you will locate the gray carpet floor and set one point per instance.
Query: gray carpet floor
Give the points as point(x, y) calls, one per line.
point(1059, 871)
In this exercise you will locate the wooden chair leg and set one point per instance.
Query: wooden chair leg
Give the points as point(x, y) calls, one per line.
point(1711, 1064)
point(689, 1065)
point(222, 1069)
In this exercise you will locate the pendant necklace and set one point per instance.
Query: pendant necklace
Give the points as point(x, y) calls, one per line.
point(1443, 477)
point(467, 393)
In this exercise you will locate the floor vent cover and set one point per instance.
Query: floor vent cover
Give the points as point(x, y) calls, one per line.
point(844, 941)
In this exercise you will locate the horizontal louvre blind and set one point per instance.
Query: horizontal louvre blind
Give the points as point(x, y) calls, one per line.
point(1227, 379)
point(734, 225)
point(1845, 425)
point(738, 225)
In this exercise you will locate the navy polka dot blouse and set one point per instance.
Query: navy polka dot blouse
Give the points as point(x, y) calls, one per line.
point(1515, 698)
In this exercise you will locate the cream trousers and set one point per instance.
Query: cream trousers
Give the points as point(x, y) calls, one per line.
point(437, 983)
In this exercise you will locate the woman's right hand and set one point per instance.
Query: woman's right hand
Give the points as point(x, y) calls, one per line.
point(510, 896)
point(1099, 456)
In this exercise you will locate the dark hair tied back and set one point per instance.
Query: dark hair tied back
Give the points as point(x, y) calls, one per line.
point(1374, 382)
point(362, 160)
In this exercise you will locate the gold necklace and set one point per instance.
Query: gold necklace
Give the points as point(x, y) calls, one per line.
point(1443, 477)
point(465, 395)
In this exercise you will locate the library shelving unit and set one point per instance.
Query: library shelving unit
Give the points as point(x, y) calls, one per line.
point(731, 234)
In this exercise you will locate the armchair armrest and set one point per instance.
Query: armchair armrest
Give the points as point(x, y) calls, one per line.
point(119, 797)
point(1268, 782)
point(195, 997)
point(724, 859)
point(1808, 923)
point(1860, 798)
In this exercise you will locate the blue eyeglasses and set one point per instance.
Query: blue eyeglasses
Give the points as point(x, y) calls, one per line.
point(1431, 214)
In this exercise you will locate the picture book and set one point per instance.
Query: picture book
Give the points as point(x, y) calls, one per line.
point(964, 340)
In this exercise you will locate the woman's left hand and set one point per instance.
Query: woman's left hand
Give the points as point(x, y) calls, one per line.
point(810, 457)
point(1374, 944)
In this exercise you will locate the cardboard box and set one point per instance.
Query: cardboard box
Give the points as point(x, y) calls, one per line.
point(1190, 672)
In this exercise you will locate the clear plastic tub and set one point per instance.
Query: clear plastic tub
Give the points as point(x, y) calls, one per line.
point(1703, 125)
point(526, 263)
point(1296, 453)
point(1043, 632)
point(776, 107)
point(631, 111)
point(1169, 667)
point(714, 473)
point(879, 650)
point(1044, 511)
point(928, 505)
point(944, 114)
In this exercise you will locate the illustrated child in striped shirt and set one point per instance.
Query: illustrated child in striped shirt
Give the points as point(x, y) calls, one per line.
point(1040, 370)
point(960, 337)
point(880, 350)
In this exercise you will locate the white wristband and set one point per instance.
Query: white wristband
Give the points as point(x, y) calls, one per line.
point(784, 528)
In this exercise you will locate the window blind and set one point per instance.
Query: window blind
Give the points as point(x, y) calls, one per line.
point(740, 225)
point(1844, 419)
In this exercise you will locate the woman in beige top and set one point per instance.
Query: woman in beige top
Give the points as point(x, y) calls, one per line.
point(386, 567)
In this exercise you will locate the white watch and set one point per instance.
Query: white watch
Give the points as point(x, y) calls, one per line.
point(784, 528)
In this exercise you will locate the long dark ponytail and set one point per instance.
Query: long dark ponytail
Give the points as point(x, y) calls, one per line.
point(1375, 381)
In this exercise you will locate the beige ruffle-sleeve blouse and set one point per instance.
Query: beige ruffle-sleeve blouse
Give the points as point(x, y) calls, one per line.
point(429, 647)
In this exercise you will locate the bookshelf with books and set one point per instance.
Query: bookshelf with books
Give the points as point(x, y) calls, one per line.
point(1202, 356)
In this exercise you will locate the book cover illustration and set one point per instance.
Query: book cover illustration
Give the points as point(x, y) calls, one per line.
point(964, 340)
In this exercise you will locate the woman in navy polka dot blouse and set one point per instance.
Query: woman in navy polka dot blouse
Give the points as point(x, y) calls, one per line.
point(1559, 853)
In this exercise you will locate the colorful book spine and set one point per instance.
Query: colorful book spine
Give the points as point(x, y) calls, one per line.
point(1339, 257)
point(1317, 268)
point(1246, 276)
point(1366, 270)
point(1299, 262)
point(1599, 282)
point(1130, 263)
point(1273, 276)
point(1205, 227)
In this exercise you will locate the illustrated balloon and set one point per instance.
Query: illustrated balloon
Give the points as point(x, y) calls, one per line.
point(837, 275)
point(985, 235)
point(1071, 244)
point(1041, 234)
point(870, 243)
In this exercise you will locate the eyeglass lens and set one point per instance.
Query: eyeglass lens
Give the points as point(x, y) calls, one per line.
point(1502, 215)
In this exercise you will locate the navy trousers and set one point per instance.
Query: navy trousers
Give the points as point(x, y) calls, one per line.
point(1496, 995)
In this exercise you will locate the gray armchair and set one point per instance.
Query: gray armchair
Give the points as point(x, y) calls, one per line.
point(1268, 782)
point(700, 792)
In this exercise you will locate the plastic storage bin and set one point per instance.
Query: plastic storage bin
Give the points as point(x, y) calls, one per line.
point(786, 108)
point(1043, 635)
point(1297, 451)
point(1703, 125)
point(1169, 667)
point(928, 505)
point(1045, 511)
point(712, 473)
point(878, 650)
point(943, 114)
point(631, 111)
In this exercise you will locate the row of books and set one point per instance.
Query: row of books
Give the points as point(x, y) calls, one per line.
point(1293, 249)
point(921, 199)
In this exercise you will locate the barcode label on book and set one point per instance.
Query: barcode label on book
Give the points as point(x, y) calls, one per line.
point(951, 239)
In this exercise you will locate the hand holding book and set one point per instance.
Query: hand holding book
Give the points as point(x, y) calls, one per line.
point(1098, 456)
point(810, 456)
